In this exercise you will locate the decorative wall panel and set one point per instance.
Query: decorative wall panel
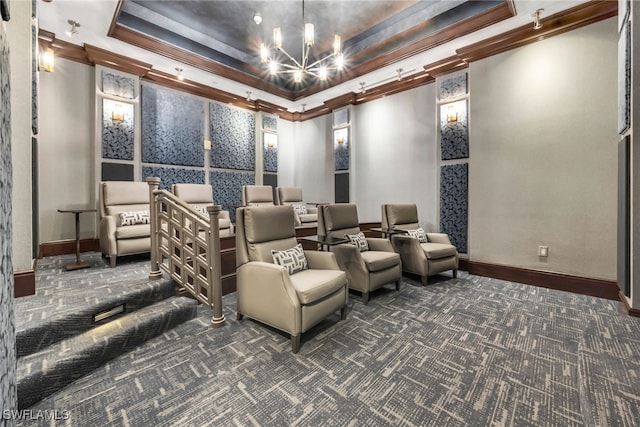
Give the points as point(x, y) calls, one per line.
point(341, 149)
point(116, 171)
point(270, 123)
point(454, 202)
point(270, 152)
point(454, 133)
point(117, 132)
point(114, 84)
point(227, 187)
point(8, 390)
point(232, 137)
point(452, 87)
point(172, 128)
point(170, 176)
point(624, 78)
point(34, 69)
point(341, 117)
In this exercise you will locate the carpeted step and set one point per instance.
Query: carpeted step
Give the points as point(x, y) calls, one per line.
point(43, 373)
point(43, 320)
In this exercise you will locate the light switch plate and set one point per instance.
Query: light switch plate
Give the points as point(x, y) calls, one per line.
point(543, 251)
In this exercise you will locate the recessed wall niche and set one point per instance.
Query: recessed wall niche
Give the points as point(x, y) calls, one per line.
point(232, 137)
point(454, 130)
point(117, 130)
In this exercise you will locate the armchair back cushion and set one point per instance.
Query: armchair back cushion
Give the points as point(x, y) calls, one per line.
point(194, 193)
point(403, 216)
point(338, 220)
point(289, 195)
point(262, 229)
point(123, 196)
point(257, 195)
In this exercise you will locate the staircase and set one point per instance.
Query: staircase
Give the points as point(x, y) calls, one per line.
point(78, 321)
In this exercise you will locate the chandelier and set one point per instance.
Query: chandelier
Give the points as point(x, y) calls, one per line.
point(319, 68)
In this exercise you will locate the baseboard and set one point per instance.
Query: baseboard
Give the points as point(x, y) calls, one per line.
point(24, 282)
point(563, 282)
point(65, 247)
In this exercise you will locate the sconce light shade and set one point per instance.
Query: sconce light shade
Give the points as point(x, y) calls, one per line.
point(48, 60)
point(117, 114)
point(340, 140)
point(452, 114)
point(270, 141)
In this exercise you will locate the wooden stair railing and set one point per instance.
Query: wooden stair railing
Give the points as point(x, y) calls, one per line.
point(185, 244)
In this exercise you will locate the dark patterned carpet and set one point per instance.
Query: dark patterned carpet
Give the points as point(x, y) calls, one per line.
point(459, 352)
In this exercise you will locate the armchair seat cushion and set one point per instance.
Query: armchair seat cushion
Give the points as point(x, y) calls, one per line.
point(438, 250)
point(313, 285)
point(378, 260)
point(308, 218)
point(133, 231)
point(224, 223)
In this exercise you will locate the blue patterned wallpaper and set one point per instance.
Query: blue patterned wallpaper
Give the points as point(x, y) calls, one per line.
point(233, 134)
point(227, 188)
point(454, 202)
point(172, 127)
point(452, 87)
point(170, 176)
point(114, 84)
point(341, 117)
point(270, 123)
point(624, 79)
point(8, 388)
point(454, 136)
point(117, 136)
point(270, 152)
point(34, 71)
point(341, 149)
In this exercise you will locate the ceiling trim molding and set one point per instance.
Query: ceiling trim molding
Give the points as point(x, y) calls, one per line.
point(571, 19)
point(559, 23)
point(169, 51)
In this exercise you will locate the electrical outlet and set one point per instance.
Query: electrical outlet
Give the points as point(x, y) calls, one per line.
point(543, 251)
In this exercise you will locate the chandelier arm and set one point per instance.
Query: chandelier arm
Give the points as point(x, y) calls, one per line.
point(320, 61)
point(291, 58)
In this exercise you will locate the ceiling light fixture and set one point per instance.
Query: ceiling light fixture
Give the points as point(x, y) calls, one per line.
point(248, 95)
point(363, 88)
point(399, 72)
point(257, 18)
point(180, 73)
point(536, 19)
point(74, 25)
point(299, 69)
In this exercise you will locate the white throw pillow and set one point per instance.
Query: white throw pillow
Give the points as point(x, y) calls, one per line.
point(133, 218)
point(418, 234)
point(300, 209)
point(293, 259)
point(359, 241)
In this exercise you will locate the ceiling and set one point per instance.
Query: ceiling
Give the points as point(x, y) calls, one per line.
point(216, 42)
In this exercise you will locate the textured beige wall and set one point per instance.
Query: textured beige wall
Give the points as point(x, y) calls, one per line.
point(66, 149)
point(543, 154)
point(394, 155)
point(19, 36)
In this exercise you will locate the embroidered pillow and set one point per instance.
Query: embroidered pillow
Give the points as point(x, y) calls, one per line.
point(418, 234)
point(359, 241)
point(133, 218)
point(293, 259)
point(300, 209)
point(200, 208)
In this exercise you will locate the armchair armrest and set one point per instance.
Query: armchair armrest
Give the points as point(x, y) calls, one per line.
point(438, 238)
point(351, 262)
point(265, 293)
point(108, 225)
point(413, 257)
point(312, 210)
point(321, 260)
point(379, 244)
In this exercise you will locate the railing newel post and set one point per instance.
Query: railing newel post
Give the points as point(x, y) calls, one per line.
point(214, 277)
point(154, 206)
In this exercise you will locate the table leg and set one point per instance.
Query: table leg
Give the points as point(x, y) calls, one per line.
point(78, 265)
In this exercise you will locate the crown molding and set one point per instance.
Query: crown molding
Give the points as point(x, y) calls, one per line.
point(571, 19)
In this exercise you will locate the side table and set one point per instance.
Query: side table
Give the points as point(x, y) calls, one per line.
point(77, 210)
point(327, 241)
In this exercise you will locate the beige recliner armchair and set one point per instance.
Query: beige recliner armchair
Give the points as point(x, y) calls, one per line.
point(305, 216)
point(368, 269)
point(131, 236)
point(257, 195)
point(200, 196)
point(426, 258)
point(267, 292)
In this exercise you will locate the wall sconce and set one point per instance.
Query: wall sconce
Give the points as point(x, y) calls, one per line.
point(536, 19)
point(117, 114)
point(48, 60)
point(270, 141)
point(340, 140)
point(452, 114)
